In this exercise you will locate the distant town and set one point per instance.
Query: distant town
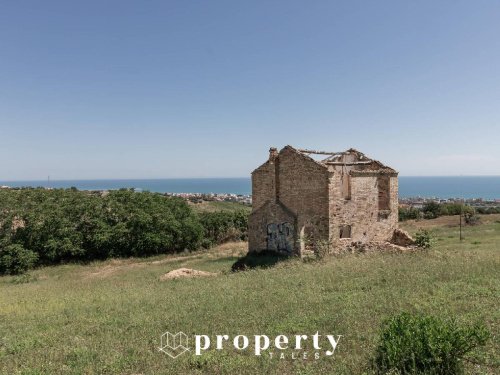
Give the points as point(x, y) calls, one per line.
point(413, 202)
point(213, 197)
point(419, 202)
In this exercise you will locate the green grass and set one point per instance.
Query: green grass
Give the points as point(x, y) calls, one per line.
point(107, 317)
point(213, 206)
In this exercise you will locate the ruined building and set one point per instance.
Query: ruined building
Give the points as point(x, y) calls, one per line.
point(299, 202)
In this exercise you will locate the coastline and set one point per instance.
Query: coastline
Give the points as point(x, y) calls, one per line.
point(486, 188)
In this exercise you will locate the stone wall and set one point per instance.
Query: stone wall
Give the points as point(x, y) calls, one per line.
point(299, 186)
point(303, 188)
point(367, 222)
point(273, 227)
point(263, 188)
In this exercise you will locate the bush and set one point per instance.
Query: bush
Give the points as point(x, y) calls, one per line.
point(63, 225)
point(431, 210)
point(67, 225)
point(418, 344)
point(409, 213)
point(322, 249)
point(15, 260)
point(222, 226)
point(423, 239)
point(471, 218)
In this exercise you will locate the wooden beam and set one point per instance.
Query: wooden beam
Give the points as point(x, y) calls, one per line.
point(319, 152)
point(349, 163)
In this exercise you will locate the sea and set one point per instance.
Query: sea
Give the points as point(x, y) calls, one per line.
point(485, 187)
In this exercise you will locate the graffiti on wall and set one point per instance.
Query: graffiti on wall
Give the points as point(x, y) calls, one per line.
point(280, 237)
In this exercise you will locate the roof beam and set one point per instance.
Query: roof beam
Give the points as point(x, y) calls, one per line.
point(349, 163)
point(319, 152)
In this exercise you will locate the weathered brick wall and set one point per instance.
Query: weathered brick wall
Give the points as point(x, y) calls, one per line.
point(361, 212)
point(272, 227)
point(303, 188)
point(263, 189)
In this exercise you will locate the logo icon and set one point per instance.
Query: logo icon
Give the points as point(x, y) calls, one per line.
point(174, 344)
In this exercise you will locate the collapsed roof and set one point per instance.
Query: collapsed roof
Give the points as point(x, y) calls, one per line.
point(351, 160)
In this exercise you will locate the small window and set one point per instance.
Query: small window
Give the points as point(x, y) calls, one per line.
point(384, 200)
point(346, 186)
point(345, 231)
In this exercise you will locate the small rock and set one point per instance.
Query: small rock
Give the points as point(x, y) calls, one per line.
point(401, 238)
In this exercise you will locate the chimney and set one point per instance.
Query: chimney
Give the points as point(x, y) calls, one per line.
point(273, 153)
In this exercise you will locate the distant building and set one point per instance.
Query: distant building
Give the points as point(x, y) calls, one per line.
point(299, 201)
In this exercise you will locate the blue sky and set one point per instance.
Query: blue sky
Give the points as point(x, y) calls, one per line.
point(151, 89)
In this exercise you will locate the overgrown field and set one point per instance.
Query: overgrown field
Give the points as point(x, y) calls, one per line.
point(107, 317)
point(215, 206)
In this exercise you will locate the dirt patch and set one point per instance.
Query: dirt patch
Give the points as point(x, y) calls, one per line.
point(113, 266)
point(123, 265)
point(185, 272)
point(111, 269)
point(175, 259)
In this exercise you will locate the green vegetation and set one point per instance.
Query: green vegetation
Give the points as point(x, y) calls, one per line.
point(43, 227)
point(419, 344)
point(423, 239)
point(409, 213)
point(106, 317)
point(62, 225)
point(432, 210)
point(223, 226)
point(15, 259)
point(216, 206)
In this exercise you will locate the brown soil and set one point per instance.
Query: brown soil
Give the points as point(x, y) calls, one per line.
point(185, 272)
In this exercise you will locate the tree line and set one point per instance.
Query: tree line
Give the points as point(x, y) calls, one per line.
point(42, 227)
point(432, 210)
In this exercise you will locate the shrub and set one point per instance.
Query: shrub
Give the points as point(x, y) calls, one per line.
point(219, 227)
point(408, 213)
point(322, 249)
point(431, 210)
point(471, 218)
point(66, 225)
point(423, 239)
point(417, 344)
point(15, 260)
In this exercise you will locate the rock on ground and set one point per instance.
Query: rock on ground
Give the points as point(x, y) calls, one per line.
point(401, 238)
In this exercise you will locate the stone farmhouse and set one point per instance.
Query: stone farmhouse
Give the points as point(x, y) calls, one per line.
point(342, 199)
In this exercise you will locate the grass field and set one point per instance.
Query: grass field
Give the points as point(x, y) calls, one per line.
point(213, 206)
point(107, 317)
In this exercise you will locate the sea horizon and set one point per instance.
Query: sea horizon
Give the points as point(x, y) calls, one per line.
point(485, 187)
